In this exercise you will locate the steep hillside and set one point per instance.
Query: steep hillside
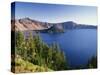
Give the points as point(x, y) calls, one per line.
point(28, 24)
point(22, 66)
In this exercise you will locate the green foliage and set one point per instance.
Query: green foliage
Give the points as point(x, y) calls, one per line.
point(58, 58)
point(35, 51)
point(20, 43)
point(26, 66)
point(92, 63)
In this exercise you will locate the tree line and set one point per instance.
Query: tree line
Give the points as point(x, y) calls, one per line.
point(34, 50)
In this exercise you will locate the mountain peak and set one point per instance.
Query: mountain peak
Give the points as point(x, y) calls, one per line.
point(25, 19)
point(71, 22)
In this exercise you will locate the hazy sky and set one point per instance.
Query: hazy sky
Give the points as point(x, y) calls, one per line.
point(56, 13)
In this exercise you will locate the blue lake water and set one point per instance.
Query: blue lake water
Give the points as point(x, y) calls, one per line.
point(79, 45)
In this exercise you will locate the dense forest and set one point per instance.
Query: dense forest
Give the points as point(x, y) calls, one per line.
point(35, 52)
point(31, 54)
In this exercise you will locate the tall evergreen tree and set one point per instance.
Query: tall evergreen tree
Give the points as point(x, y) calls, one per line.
point(20, 43)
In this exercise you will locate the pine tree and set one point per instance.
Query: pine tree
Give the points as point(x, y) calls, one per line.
point(20, 43)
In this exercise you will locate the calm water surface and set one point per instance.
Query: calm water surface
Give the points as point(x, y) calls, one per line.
point(78, 45)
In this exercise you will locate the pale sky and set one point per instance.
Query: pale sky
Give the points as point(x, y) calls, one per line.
point(53, 13)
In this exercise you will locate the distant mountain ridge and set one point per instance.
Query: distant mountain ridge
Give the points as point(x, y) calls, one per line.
point(25, 24)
